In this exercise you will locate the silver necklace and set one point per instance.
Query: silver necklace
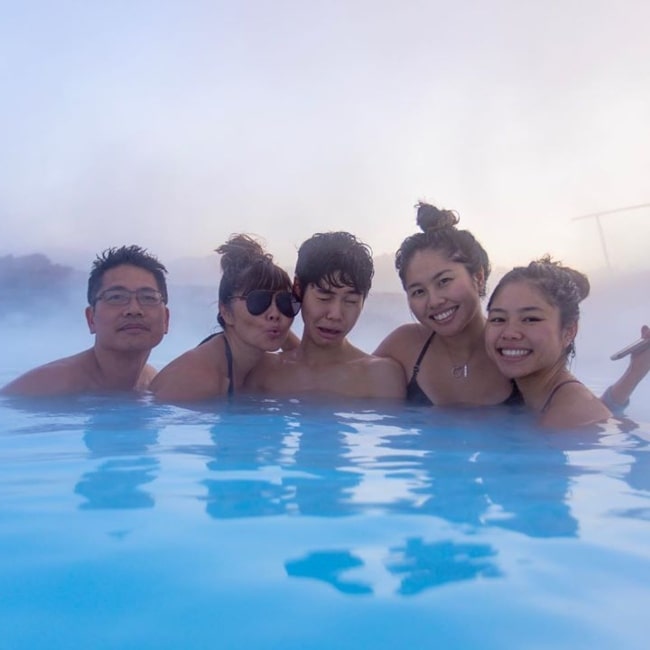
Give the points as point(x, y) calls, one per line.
point(460, 372)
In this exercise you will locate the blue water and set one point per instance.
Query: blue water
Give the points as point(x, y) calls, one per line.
point(125, 524)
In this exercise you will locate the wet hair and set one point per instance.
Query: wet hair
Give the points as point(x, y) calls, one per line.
point(562, 286)
point(133, 256)
point(439, 233)
point(338, 259)
point(246, 266)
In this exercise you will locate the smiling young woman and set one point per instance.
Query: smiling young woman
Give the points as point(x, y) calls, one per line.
point(531, 327)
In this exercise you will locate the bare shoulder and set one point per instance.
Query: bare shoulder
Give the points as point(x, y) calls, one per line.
point(401, 343)
point(199, 373)
point(146, 377)
point(383, 376)
point(60, 377)
point(575, 406)
point(267, 369)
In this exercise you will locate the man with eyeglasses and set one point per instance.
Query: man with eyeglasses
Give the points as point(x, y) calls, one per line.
point(332, 279)
point(127, 312)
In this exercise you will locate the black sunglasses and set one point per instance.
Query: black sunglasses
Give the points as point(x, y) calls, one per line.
point(259, 300)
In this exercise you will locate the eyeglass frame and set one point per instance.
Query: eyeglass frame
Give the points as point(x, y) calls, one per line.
point(131, 292)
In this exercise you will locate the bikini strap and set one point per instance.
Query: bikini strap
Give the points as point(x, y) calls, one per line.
point(547, 403)
point(418, 361)
point(231, 387)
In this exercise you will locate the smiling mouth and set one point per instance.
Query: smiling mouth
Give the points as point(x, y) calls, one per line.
point(514, 353)
point(444, 315)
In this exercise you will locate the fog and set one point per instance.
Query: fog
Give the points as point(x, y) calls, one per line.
point(52, 327)
point(173, 124)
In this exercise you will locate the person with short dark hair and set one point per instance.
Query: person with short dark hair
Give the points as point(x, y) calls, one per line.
point(256, 310)
point(333, 277)
point(128, 315)
point(532, 323)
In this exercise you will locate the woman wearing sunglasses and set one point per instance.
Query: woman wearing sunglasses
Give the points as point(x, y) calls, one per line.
point(256, 310)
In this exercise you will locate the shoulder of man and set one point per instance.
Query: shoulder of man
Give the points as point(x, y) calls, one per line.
point(58, 377)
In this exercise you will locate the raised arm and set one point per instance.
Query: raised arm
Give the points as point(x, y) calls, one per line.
point(617, 396)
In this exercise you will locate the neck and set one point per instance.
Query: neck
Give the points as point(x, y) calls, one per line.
point(315, 355)
point(118, 370)
point(244, 357)
point(536, 388)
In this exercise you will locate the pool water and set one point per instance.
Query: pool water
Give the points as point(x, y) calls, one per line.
point(287, 524)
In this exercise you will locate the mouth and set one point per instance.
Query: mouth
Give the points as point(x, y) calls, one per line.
point(328, 332)
point(443, 316)
point(514, 353)
point(133, 327)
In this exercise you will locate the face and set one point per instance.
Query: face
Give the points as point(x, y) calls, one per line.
point(441, 293)
point(523, 335)
point(130, 327)
point(329, 313)
point(266, 331)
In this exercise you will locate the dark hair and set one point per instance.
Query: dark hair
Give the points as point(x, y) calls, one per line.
point(245, 266)
point(133, 256)
point(562, 286)
point(439, 233)
point(337, 258)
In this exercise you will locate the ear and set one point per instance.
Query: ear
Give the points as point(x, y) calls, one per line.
point(226, 314)
point(90, 318)
point(569, 333)
point(479, 278)
point(296, 288)
point(166, 319)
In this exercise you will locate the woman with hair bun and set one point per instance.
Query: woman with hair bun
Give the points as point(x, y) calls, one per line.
point(532, 323)
point(444, 271)
point(256, 310)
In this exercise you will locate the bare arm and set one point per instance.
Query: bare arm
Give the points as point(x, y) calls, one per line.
point(617, 396)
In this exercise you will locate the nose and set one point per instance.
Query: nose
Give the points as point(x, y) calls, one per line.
point(133, 306)
point(273, 313)
point(435, 299)
point(510, 330)
point(335, 310)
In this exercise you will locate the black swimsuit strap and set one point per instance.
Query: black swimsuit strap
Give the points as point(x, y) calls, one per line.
point(231, 387)
point(547, 403)
point(418, 361)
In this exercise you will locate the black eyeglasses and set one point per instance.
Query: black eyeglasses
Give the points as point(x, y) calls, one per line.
point(259, 300)
point(119, 297)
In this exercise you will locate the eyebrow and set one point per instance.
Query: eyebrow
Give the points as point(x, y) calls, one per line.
point(346, 287)
point(120, 287)
point(522, 310)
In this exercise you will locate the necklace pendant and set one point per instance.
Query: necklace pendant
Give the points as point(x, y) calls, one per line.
point(460, 372)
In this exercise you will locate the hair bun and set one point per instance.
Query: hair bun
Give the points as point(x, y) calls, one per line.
point(239, 252)
point(431, 218)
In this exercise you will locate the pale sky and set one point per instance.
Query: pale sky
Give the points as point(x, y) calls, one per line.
point(174, 124)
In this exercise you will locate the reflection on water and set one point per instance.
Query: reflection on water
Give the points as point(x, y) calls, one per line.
point(334, 464)
point(405, 500)
point(126, 465)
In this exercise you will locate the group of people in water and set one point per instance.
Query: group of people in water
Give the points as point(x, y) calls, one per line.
point(453, 356)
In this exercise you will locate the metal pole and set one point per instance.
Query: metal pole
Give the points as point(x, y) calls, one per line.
point(602, 241)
